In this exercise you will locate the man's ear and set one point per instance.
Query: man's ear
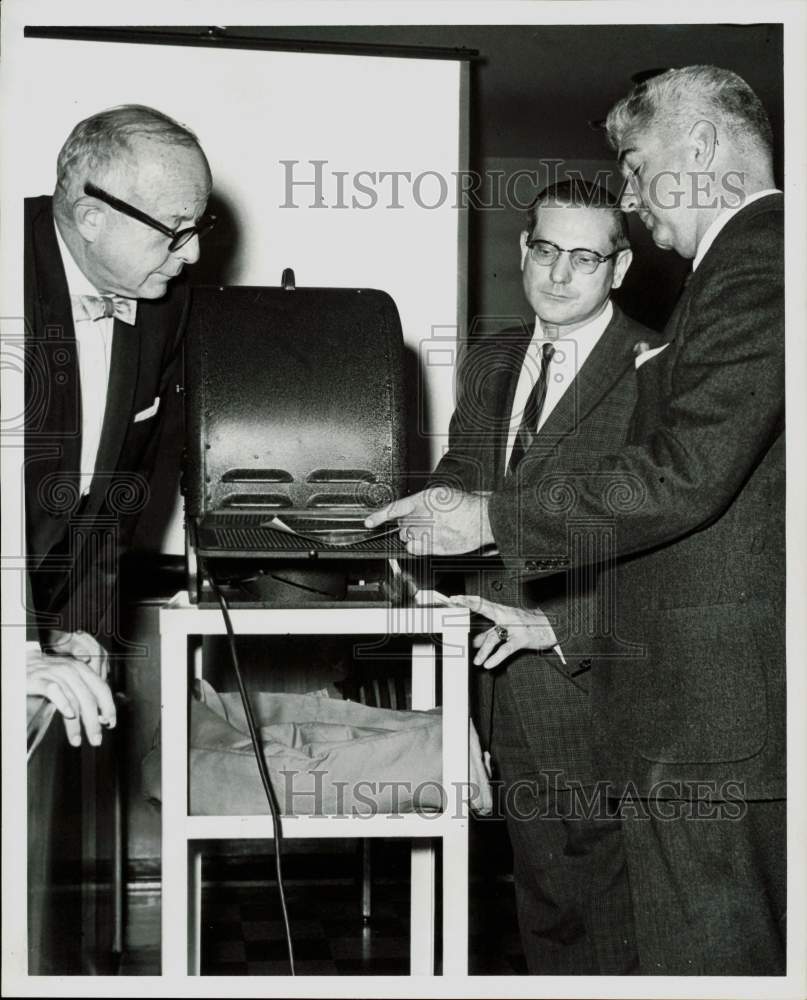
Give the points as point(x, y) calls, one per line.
point(703, 136)
point(89, 219)
point(523, 244)
point(622, 262)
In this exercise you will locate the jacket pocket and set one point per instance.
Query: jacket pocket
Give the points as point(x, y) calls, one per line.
point(701, 693)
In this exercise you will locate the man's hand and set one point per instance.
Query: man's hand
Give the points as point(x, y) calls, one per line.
point(75, 689)
point(518, 629)
point(81, 646)
point(439, 521)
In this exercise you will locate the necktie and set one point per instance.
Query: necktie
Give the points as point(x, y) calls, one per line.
point(532, 411)
point(94, 307)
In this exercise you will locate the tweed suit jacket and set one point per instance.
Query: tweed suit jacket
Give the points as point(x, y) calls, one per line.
point(697, 497)
point(74, 589)
point(591, 417)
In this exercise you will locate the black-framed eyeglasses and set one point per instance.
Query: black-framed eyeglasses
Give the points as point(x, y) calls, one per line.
point(545, 253)
point(178, 237)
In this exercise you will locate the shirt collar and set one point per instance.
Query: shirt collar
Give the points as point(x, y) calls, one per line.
point(593, 329)
point(720, 221)
point(77, 281)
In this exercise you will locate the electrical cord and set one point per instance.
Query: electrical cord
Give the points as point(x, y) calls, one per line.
point(259, 757)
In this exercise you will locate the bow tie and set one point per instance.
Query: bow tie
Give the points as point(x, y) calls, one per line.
point(94, 307)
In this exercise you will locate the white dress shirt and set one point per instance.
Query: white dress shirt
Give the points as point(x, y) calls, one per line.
point(720, 221)
point(94, 349)
point(571, 352)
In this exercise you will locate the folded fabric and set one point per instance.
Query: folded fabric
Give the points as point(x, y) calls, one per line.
point(325, 756)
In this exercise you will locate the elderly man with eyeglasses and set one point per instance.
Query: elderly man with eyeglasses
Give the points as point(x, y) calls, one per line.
point(104, 320)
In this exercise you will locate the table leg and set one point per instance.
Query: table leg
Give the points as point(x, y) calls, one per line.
point(455, 901)
point(455, 771)
point(424, 675)
point(195, 909)
point(174, 735)
point(421, 940)
point(195, 852)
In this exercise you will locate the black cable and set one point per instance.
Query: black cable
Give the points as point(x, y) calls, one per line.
point(259, 757)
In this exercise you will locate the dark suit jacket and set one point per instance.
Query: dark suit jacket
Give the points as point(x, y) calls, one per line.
point(72, 589)
point(591, 417)
point(698, 493)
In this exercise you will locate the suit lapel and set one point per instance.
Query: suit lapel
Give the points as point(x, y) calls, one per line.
point(56, 342)
point(518, 340)
point(54, 331)
point(123, 372)
point(610, 357)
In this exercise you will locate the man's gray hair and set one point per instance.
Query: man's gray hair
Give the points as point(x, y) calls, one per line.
point(580, 193)
point(103, 143)
point(680, 97)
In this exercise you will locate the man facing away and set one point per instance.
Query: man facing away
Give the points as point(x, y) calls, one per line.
point(694, 731)
point(104, 321)
point(563, 386)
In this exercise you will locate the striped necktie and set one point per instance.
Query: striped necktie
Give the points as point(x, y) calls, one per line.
point(528, 427)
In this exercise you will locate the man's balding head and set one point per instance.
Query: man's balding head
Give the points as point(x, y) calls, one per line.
point(147, 160)
point(675, 100)
point(692, 142)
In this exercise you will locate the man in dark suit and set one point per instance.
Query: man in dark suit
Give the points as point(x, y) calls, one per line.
point(571, 885)
point(104, 322)
point(693, 732)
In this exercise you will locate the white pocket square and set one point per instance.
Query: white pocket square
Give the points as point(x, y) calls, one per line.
point(643, 356)
point(148, 412)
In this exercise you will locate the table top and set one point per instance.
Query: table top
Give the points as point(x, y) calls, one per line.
point(181, 615)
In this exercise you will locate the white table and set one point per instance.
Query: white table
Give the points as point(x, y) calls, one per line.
point(181, 857)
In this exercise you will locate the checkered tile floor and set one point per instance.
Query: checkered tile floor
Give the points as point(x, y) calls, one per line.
point(242, 933)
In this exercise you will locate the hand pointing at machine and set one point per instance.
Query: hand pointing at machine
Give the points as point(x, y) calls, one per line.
point(439, 521)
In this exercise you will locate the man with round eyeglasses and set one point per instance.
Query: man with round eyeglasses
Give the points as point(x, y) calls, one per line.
point(104, 317)
point(561, 384)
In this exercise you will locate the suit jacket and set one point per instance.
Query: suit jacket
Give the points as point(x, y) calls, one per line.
point(591, 417)
point(698, 496)
point(72, 545)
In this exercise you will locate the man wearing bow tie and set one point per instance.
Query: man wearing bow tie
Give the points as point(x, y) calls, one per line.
point(104, 321)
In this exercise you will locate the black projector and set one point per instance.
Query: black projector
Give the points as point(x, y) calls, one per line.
point(295, 430)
